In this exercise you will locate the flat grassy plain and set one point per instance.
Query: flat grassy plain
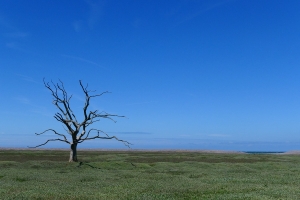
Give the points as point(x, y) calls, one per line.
point(46, 174)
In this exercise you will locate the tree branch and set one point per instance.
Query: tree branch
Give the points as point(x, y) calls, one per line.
point(67, 111)
point(58, 139)
point(126, 143)
point(54, 132)
point(50, 141)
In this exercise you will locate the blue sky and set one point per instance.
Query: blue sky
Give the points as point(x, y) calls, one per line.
point(187, 74)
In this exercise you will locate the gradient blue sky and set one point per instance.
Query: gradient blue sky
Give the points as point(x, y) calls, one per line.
point(188, 74)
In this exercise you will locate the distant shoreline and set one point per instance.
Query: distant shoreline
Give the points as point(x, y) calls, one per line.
point(99, 149)
point(154, 150)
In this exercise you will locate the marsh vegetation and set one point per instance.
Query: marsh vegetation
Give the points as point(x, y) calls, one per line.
point(147, 175)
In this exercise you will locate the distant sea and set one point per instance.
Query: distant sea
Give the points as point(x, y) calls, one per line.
point(263, 152)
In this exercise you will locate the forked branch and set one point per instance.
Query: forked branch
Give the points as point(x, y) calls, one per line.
point(50, 141)
point(58, 139)
point(126, 143)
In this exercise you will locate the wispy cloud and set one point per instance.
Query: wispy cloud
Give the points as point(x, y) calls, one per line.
point(95, 12)
point(218, 135)
point(203, 10)
point(185, 135)
point(42, 111)
point(83, 60)
point(33, 107)
point(5, 23)
point(23, 100)
point(78, 25)
point(131, 133)
point(15, 46)
point(191, 94)
point(94, 15)
point(138, 103)
point(136, 23)
point(27, 78)
point(12, 34)
point(17, 34)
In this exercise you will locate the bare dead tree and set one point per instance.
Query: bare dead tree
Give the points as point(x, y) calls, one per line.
point(78, 130)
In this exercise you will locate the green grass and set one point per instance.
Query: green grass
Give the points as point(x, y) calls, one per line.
point(148, 175)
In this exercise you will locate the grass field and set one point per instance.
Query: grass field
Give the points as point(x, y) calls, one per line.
point(147, 175)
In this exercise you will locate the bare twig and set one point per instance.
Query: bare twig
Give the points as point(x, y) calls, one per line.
point(49, 141)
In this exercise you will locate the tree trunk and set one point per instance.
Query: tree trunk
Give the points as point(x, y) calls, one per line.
point(73, 153)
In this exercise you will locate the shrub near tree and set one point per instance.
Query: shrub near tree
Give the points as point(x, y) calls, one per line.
point(79, 131)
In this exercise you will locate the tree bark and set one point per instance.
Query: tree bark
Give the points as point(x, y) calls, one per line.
point(73, 153)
